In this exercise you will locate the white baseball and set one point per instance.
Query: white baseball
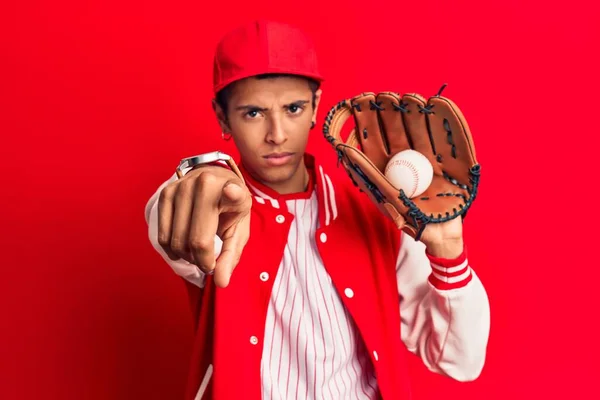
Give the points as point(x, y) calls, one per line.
point(410, 171)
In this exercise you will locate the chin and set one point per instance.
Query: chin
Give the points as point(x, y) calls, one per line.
point(278, 175)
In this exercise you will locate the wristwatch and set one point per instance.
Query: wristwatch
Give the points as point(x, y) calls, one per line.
point(208, 158)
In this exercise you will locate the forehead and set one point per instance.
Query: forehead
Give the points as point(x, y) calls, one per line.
point(270, 90)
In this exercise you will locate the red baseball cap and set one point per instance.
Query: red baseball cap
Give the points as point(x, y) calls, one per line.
point(262, 47)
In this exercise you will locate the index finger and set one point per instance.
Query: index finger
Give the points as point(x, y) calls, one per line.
point(368, 129)
point(231, 252)
point(204, 221)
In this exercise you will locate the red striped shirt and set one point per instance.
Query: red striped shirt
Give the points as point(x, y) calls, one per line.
point(312, 347)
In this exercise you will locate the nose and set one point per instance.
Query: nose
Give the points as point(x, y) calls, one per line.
point(276, 132)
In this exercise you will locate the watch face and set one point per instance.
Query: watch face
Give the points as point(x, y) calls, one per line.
point(203, 159)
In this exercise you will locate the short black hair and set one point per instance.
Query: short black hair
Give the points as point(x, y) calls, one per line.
point(223, 96)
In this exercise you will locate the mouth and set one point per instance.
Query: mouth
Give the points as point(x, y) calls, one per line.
point(278, 158)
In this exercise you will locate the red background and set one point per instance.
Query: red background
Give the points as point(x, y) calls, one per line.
point(99, 101)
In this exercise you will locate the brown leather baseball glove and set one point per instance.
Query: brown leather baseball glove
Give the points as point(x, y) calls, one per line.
point(387, 123)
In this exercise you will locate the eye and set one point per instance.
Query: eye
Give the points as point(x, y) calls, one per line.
point(252, 113)
point(295, 108)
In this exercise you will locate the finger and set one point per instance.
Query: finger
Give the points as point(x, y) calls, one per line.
point(415, 122)
point(231, 252)
point(183, 204)
point(205, 220)
point(364, 108)
point(452, 138)
point(233, 197)
point(392, 122)
point(165, 226)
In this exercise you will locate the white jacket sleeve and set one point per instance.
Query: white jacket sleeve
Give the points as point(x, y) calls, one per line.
point(184, 269)
point(444, 310)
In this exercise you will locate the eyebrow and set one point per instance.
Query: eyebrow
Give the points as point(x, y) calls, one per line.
point(298, 103)
point(257, 108)
point(250, 107)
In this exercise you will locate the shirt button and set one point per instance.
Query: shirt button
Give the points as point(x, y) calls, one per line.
point(280, 219)
point(264, 276)
point(349, 293)
point(376, 356)
point(253, 340)
point(323, 237)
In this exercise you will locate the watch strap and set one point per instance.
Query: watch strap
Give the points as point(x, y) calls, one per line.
point(235, 169)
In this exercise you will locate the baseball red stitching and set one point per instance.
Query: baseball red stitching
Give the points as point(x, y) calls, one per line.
point(414, 171)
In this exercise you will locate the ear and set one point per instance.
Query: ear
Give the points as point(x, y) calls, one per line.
point(317, 100)
point(221, 117)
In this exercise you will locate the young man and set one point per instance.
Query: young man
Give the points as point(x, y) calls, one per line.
point(300, 287)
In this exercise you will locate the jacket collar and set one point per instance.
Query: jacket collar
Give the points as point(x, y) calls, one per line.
point(318, 180)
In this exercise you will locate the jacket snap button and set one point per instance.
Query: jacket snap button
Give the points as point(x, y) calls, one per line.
point(264, 276)
point(349, 293)
point(323, 237)
point(253, 339)
point(280, 219)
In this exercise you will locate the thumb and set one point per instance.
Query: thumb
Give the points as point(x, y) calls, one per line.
point(233, 194)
